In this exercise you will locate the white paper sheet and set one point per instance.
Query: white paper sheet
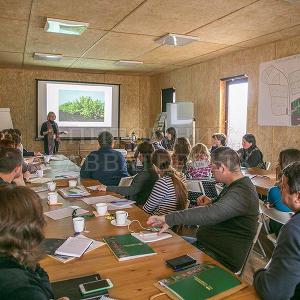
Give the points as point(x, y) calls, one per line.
point(100, 199)
point(64, 213)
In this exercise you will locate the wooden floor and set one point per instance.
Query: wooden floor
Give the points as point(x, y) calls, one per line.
point(256, 260)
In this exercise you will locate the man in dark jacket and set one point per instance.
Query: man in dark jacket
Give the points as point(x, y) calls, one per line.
point(227, 224)
point(281, 278)
point(106, 165)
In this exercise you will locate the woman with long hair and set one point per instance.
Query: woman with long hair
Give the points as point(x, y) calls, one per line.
point(169, 192)
point(182, 150)
point(250, 155)
point(21, 233)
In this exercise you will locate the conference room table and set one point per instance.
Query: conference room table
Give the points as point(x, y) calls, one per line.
point(262, 179)
point(132, 279)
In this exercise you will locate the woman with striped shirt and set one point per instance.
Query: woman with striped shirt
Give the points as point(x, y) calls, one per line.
point(169, 192)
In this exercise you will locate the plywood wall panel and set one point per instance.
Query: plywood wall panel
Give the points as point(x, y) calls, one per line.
point(204, 88)
point(18, 92)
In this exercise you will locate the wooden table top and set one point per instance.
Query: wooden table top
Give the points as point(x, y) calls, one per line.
point(132, 279)
point(264, 180)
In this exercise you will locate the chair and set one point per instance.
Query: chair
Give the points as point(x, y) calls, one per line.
point(82, 161)
point(274, 214)
point(255, 240)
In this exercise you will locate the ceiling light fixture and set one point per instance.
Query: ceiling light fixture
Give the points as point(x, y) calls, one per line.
point(128, 62)
point(47, 56)
point(65, 26)
point(174, 39)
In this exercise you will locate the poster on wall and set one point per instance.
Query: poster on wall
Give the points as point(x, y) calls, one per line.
point(279, 92)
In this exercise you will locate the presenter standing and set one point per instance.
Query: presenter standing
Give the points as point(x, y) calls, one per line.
point(50, 132)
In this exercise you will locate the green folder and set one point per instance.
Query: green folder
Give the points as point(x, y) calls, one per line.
point(126, 247)
point(200, 282)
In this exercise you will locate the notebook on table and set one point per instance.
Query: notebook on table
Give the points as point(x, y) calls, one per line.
point(74, 246)
point(50, 245)
point(203, 281)
point(126, 247)
point(74, 192)
point(70, 288)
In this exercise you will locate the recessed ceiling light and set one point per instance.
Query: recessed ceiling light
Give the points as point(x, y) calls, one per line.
point(174, 39)
point(47, 56)
point(128, 63)
point(65, 26)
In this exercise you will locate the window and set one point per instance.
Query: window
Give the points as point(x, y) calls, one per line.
point(236, 110)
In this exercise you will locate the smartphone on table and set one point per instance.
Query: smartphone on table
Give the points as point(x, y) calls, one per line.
point(95, 286)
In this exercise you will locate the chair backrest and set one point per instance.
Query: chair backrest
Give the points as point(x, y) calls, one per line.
point(274, 214)
point(267, 165)
point(255, 239)
point(82, 161)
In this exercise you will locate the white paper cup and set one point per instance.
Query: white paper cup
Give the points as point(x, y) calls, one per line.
point(72, 183)
point(121, 217)
point(51, 186)
point(40, 173)
point(52, 198)
point(101, 209)
point(78, 224)
point(47, 159)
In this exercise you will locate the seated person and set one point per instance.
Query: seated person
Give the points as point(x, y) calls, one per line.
point(157, 139)
point(228, 223)
point(21, 147)
point(170, 138)
point(182, 150)
point(169, 192)
point(106, 164)
point(143, 182)
point(218, 140)
point(22, 224)
point(274, 194)
point(12, 141)
point(199, 165)
point(11, 167)
point(281, 278)
point(250, 155)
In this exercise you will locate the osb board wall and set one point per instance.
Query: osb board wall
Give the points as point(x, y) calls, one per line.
point(18, 92)
point(201, 84)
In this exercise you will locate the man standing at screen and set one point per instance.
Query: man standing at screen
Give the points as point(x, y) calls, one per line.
point(106, 164)
point(50, 132)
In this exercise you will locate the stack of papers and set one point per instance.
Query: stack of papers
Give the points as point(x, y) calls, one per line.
point(39, 189)
point(66, 175)
point(113, 202)
point(39, 180)
point(74, 246)
point(73, 192)
point(101, 199)
point(64, 213)
point(120, 204)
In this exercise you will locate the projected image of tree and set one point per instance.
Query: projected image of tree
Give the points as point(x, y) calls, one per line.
point(74, 106)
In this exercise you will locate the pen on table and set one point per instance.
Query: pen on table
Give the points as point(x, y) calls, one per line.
point(119, 201)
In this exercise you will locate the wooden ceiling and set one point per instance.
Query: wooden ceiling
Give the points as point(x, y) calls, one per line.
point(127, 29)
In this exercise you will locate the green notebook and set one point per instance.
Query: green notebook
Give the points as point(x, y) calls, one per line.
point(200, 282)
point(126, 247)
